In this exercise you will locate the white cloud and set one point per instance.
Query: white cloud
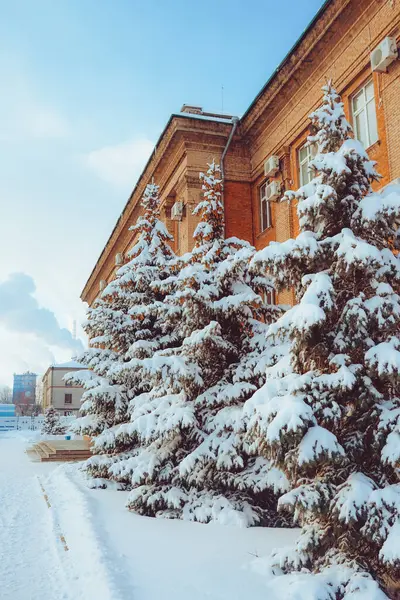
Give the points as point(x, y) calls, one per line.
point(45, 122)
point(31, 336)
point(31, 121)
point(20, 312)
point(26, 352)
point(120, 164)
point(23, 111)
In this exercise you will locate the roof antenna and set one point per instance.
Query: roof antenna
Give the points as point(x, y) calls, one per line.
point(222, 99)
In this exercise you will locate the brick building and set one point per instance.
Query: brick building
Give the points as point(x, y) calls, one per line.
point(337, 45)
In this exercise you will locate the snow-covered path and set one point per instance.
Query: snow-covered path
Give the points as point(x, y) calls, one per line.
point(87, 545)
point(50, 547)
point(30, 563)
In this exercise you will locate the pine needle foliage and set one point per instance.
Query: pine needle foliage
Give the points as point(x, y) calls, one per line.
point(129, 321)
point(52, 424)
point(329, 412)
point(188, 457)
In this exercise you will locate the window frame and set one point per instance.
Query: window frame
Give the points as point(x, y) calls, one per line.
point(355, 113)
point(309, 147)
point(263, 199)
point(69, 401)
point(269, 297)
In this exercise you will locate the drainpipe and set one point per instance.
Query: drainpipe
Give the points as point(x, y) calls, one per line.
point(235, 121)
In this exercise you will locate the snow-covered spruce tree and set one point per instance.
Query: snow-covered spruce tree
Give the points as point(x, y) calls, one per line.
point(329, 412)
point(127, 321)
point(194, 462)
point(52, 424)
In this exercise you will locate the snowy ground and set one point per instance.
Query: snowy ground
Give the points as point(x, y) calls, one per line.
point(62, 541)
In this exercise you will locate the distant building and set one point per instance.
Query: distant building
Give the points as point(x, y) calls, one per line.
point(65, 398)
point(24, 392)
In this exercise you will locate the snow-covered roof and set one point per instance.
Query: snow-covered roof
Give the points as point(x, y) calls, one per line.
point(71, 364)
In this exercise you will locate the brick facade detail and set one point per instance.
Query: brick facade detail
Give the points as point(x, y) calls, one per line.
point(336, 46)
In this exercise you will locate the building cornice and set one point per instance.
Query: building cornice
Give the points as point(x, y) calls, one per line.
point(353, 14)
point(169, 163)
point(169, 149)
point(292, 62)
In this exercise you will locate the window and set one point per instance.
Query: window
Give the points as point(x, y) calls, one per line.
point(269, 297)
point(306, 154)
point(68, 399)
point(364, 115)
point(265, 209)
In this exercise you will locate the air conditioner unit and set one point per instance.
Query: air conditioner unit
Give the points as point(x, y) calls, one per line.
point(119, 259)
point(273, 191)
point(177, 211)
point(103, 284)
point(271, 166)
point(384, 54)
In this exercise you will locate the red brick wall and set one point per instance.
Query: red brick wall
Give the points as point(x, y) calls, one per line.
point(343, 54)
point(238, 210)
point(390, 98)
point(338, 47)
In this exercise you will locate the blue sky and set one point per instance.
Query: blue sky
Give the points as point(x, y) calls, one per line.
point(87, 87)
